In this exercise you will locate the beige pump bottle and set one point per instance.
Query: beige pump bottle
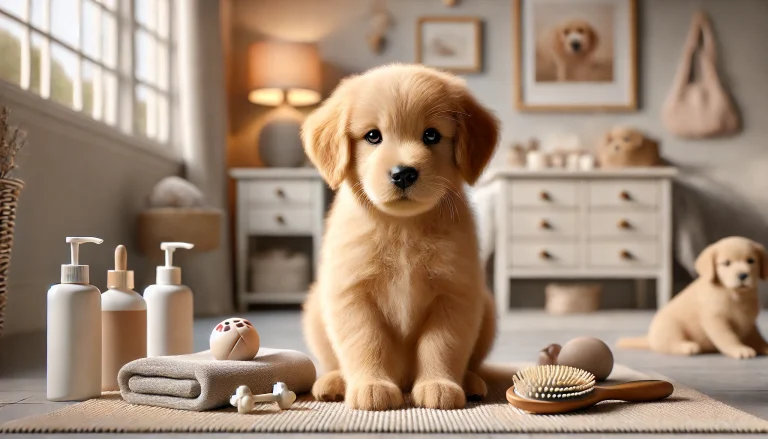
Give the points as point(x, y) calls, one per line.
point(123, 322)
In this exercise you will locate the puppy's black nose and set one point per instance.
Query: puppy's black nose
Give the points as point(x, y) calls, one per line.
point(403, 176)
point(743, 276)
point(576, 46)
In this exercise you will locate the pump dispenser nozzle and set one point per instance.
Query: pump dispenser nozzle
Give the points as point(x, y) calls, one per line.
point(168, 274)
point(74, 273)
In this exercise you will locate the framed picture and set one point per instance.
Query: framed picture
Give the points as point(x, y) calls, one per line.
point(450, 43)
point(575, 55)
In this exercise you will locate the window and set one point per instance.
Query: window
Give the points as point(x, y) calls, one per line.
point(108, 59)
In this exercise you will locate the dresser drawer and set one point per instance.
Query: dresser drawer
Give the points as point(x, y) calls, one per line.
point(542, 255)
point(623, 193)
point(543, 193)
point(544, 223)
point(279, 221)
point(622, 224)
point(626, 254)
point(280, 192)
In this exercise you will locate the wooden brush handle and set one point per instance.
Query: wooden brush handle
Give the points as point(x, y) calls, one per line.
point(636, 391)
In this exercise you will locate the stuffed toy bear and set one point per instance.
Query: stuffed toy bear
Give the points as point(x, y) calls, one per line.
point(623, 147)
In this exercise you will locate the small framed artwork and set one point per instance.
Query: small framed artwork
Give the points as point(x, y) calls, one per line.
point(453, 44)
point(575, 55)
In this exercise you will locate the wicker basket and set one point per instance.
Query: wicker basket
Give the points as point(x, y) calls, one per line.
point(9, 197)
point(572, 298)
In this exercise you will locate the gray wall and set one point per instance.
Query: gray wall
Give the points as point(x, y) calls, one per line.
point(729, 174)
point(78, 183)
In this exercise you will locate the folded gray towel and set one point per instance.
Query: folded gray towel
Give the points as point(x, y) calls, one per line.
point(200, 382)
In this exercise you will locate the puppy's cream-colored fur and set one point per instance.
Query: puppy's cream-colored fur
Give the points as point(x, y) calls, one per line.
point(718, 310)
point(400, 303)
point(571, 46)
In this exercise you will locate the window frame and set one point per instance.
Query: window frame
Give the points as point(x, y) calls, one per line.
point(124, 72)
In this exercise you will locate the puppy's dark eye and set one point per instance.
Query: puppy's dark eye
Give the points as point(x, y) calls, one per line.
point(373, 137)
point(566, 31)
point(579, 30)
point(431, 136)
point(726, 263)
point(750, 261)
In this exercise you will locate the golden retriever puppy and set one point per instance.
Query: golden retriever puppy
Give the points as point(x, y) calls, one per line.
point(400, 303)
point(623, 147)
point(718, 310)
point(571, 46)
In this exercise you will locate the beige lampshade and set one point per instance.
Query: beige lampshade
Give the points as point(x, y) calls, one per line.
point(283, 72)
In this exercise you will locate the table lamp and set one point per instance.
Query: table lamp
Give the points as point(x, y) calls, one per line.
point(283, 73)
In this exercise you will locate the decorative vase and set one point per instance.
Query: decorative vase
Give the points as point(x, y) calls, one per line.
point(280, 144)
point(10, 188)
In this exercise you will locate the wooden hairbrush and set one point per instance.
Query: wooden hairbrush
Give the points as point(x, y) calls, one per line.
point(554, 389)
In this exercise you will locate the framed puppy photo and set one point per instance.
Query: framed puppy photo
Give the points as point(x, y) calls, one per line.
point(575, 55)
point(453, 44)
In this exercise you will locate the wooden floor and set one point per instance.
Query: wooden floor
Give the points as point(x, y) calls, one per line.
point(742, 384)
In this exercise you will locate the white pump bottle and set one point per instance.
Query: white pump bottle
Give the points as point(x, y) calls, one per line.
point(170, 309)
point(74, 332)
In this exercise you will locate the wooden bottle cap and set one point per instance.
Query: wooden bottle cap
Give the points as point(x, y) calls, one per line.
point(120, 277)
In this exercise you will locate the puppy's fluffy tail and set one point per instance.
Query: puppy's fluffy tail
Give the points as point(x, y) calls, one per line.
point(634, 343)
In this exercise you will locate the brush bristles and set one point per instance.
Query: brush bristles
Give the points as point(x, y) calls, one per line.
point(553, 382)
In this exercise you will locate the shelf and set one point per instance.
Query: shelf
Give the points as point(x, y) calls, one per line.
point(275, 298)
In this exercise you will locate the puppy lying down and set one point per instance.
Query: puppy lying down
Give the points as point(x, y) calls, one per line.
point(400, 303)
point(718, 310)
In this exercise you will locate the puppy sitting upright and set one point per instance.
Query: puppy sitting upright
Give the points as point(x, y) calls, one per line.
point(717, 311)
point(400, 302)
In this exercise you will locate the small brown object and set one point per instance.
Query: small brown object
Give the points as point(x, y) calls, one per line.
point(279, 193)
point(549, 354)
point(624, 224)
point(544, 195)
point(544, 224)
point(625, 254)
point(588, 353)
point(545, 255)
point(624, 195)
point(624, 147)
point(280, 219)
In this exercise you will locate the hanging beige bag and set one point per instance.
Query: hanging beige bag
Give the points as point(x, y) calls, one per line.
point(699, 107)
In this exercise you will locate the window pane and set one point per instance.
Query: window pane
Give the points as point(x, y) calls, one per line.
point(109, 83)
point(145, 57)
point(110, 4)
point(91, 29)
point(92, 102)
point(162, 66)
point(38, 15)
point(140, 110)
point(65, 22)
point(14, 7)
point(163, 18)
point(109, 40)
point(63, 66)
point(10, 50)
point(37, 46)
point(163, 118)
point(145, 12)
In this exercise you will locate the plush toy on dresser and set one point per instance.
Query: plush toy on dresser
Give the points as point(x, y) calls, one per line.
point(718, 310)
point(623, 147)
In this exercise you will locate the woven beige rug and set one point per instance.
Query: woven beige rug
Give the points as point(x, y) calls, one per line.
point(685, 411)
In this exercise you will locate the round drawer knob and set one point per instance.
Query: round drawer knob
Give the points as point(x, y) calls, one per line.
point(279, 193)
point(624, 224)
point(544, 195)
point(544, 224)
point(624, 195)
point(626, 255)
point(280, 219)
point(545, 254)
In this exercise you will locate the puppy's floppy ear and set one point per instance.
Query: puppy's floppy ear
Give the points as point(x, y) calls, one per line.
point(594, 37)
point(476, 137)
point(762, 258)
point(705, 263)
point(325, 139)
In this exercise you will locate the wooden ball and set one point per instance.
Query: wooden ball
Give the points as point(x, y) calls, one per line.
point(587, 353)
point(234, 339)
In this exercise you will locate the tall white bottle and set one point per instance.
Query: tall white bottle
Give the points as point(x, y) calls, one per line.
point(170, 309)
point(74, 332)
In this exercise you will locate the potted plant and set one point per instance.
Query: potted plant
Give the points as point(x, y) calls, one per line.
point(12, 140)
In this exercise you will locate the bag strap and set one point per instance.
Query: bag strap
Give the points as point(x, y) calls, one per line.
point(700, 27)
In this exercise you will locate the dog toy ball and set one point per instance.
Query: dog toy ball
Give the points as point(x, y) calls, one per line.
point(234, 339)
point(244, 400)
point(587, 353)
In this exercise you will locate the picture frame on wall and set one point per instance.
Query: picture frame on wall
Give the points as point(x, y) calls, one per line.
point(450, 43)
point(575, 55)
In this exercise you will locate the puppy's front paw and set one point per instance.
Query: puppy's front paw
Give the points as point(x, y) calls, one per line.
point(374, 395)
point(329, 387)
point(740, 352)
point(689, 348)
point(439, 394)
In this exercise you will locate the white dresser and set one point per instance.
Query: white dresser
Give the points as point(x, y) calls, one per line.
point(276, 202)
point(601, 224)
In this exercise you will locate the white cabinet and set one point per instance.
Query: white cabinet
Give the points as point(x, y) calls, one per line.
point(597, 224)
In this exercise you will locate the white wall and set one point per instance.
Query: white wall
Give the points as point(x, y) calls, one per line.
point(78, 183)
point(730, 173)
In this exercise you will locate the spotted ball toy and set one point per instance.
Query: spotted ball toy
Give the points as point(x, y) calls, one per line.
point(234, 339)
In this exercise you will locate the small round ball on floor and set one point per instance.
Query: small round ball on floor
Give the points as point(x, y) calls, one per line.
point(234, 339)
point(587, 353)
